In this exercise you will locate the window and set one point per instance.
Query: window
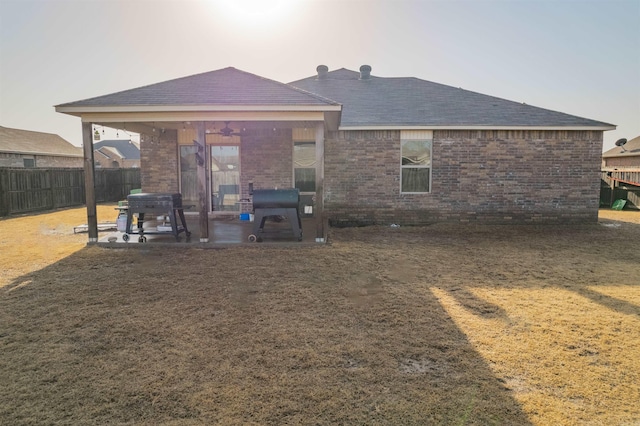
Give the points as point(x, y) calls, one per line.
point(29, 162)
point(304, 166)
point(416, 165)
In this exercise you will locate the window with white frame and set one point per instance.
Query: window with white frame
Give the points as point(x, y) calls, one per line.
point(415, 169)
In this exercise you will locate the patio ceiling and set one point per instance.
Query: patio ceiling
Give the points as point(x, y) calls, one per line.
point(148, 123)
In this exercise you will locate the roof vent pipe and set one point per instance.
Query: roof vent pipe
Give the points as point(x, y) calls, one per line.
point(323, 72)
point(365, 72)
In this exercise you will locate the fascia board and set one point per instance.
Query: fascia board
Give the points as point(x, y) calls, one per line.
point(194, 116)
point(40, 153)
point(603, 128)
point(79, 110)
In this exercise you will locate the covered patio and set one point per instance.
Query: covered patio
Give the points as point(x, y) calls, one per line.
point(224, 232)
point(213, 138)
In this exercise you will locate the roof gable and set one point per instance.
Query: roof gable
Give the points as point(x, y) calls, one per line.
point(127, 149)
point(36, 143)
point(227, 86)
point(409, 101)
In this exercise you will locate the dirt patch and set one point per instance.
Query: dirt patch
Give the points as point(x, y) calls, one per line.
point(436, 325)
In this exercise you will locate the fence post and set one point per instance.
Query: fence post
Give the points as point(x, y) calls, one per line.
point(4, 192)
point(49, 178)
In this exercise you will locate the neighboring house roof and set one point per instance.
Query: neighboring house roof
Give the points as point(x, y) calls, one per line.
point(104, 153)
point(224, 87)
point(36, 143)
point(110, 153)
point(411, 102)
point(630, 149)
point(125, 149)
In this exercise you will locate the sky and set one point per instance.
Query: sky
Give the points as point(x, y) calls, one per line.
point(580, 57)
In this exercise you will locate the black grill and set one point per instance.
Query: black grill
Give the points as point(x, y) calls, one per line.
point(276, 204)
point(159, 204)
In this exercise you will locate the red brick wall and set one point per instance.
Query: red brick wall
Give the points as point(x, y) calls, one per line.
point(266, 159)
point(490, 176)
point(159, 162)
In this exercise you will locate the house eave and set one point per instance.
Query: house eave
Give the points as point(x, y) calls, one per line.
point(409, 127)
point(80, 110)
point(622, 155)
point(47, 154)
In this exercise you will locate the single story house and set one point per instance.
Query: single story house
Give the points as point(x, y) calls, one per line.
point(28, 149)
point(623, 156)
point(362, 149)
point(621, 173)
point(116, 153)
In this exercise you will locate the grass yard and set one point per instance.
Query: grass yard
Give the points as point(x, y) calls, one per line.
point(454, 325)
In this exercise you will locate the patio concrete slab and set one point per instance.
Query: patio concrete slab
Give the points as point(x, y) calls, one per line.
point(223, 231)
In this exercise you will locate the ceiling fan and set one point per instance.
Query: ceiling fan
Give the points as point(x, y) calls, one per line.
point(227, 131)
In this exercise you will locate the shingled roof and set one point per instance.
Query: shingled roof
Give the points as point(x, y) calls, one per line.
point(630, 149)
point(36, 143)
point(405, 102)
point(225, 87)
point(364, 103)
point(126, 149)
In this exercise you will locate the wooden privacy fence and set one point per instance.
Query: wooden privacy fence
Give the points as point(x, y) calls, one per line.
point(620, 184)
point(29, 190)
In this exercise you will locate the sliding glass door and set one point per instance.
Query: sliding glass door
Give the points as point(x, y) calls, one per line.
point(225, 178)
point(189, 175)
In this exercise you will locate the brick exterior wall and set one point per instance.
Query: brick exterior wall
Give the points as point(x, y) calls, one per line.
point(106, 163)
point(266, 159)
point(45, 161)
point(488, 176)
point(630, 162)
point(159, 162)
point(485, 176)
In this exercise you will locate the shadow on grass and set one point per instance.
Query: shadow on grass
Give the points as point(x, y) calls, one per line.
point(613, 303)
point(348, 333)
point(237, 336)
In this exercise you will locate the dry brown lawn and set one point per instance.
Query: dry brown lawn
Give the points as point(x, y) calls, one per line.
point(445, 324)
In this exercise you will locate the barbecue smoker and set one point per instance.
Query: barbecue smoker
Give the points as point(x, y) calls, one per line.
point(276, 203)
point(160, 205)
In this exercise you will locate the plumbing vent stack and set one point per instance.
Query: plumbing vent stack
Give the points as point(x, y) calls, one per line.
point(323, 71)
point(365, 72)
